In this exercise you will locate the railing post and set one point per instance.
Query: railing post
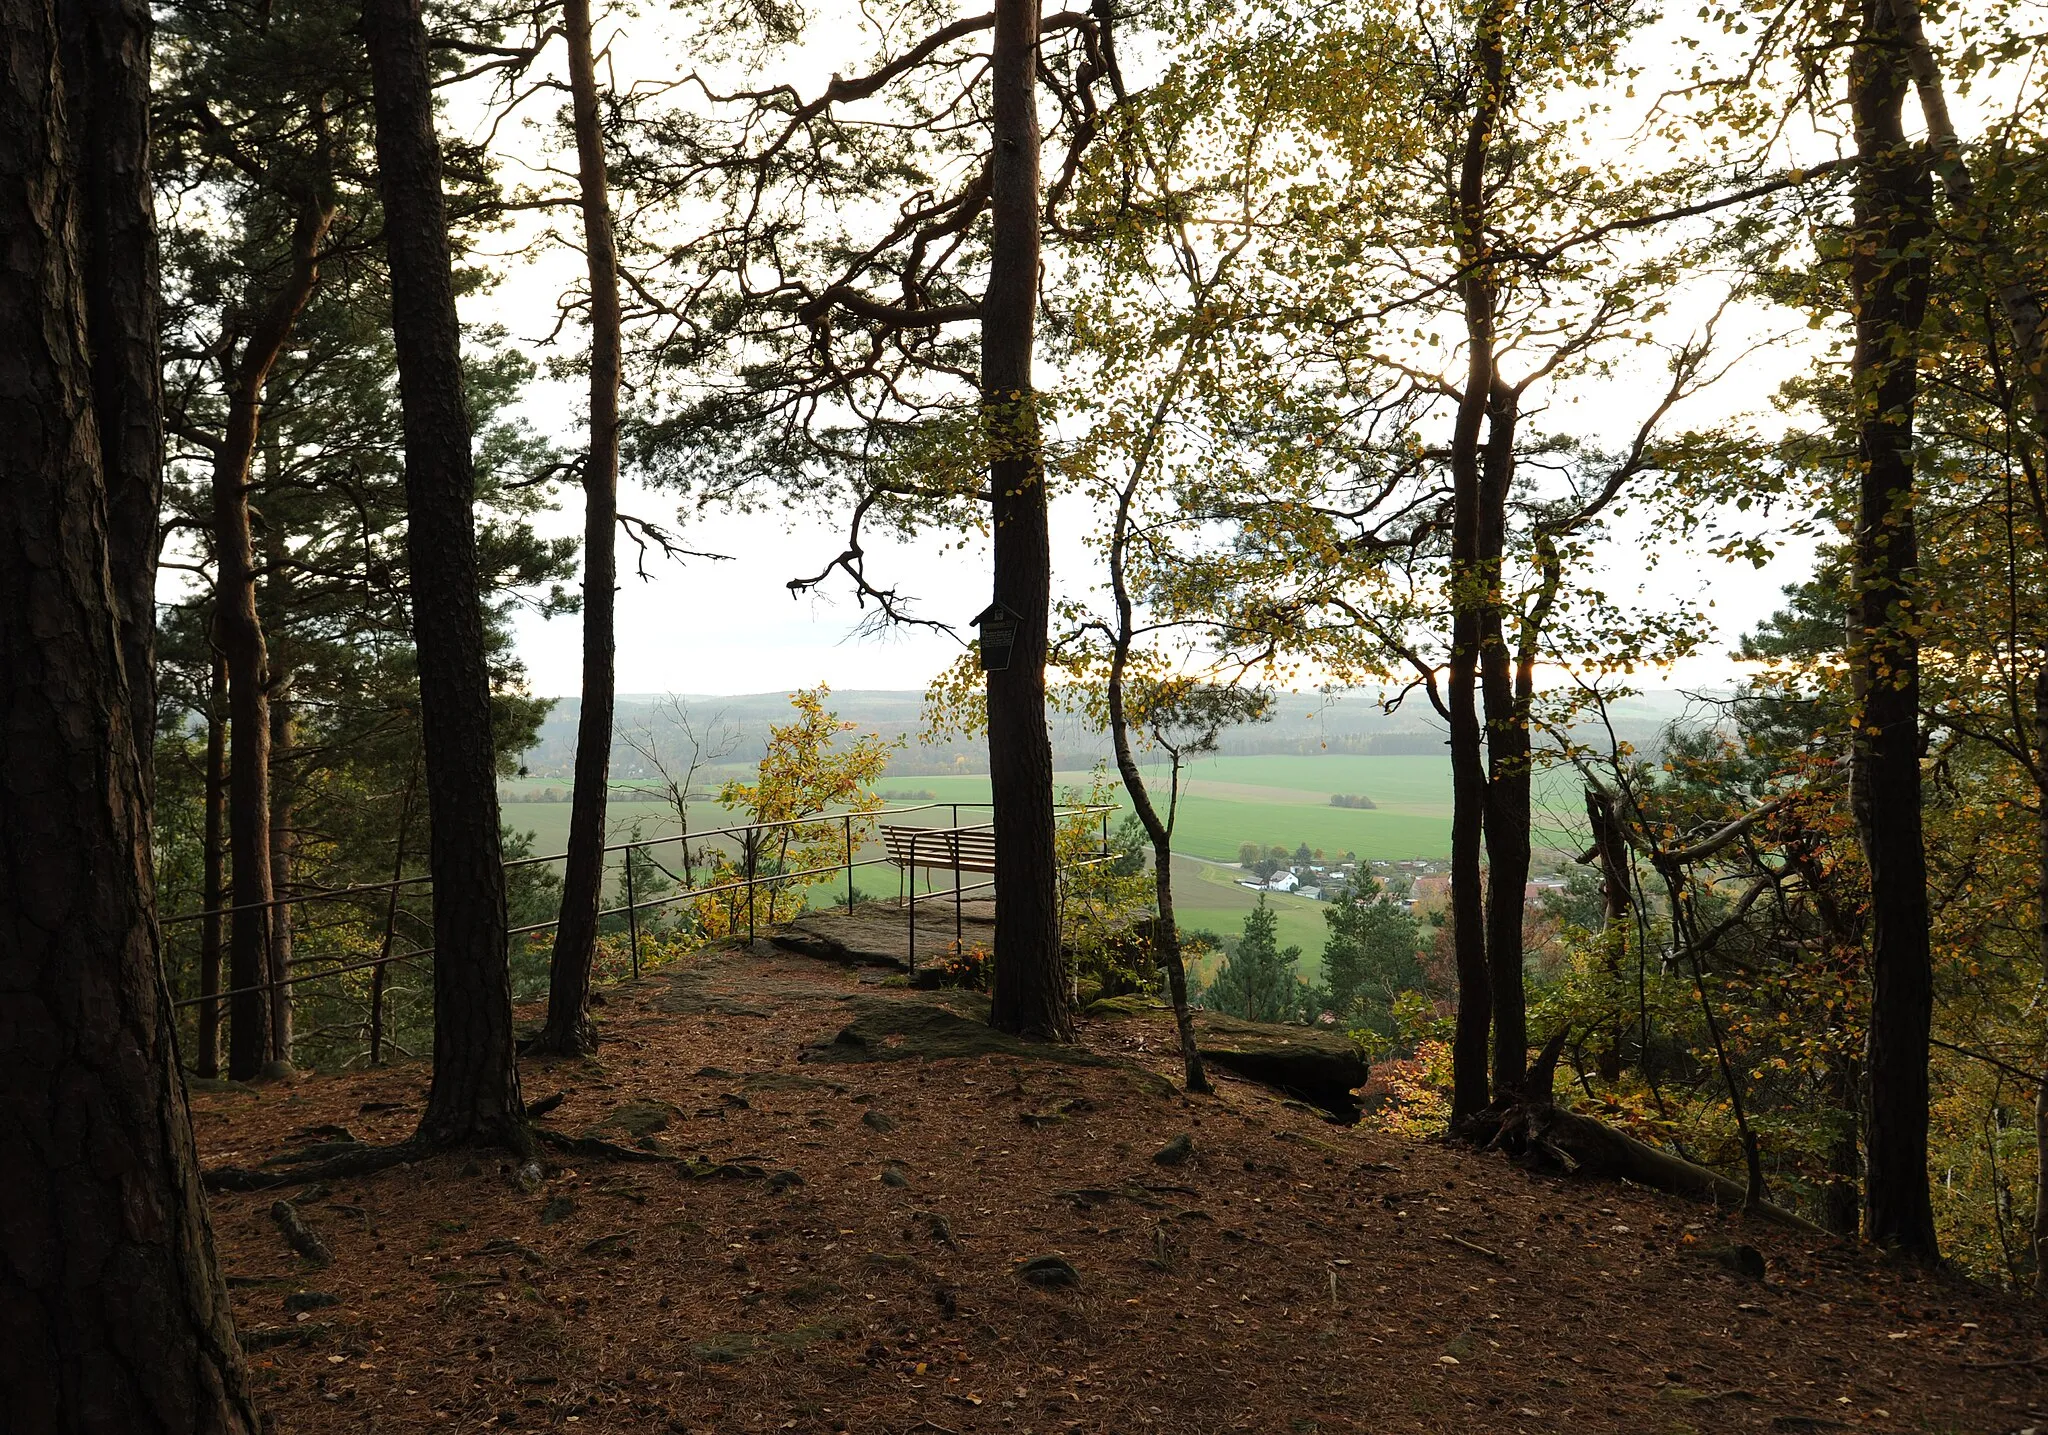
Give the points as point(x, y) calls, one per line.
point(849, 862)
point(753, 857)
point(959, 879)
point(632, 914)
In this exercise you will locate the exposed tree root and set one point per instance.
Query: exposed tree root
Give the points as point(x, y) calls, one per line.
point(339, 1160)
point(361, 1162)
point(593, 1148)
point(1546, 1135)
point(1534, 1130)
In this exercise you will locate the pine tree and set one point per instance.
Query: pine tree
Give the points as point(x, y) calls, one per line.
point(1369, 956)
point(113, 1306)
point(1257, 981)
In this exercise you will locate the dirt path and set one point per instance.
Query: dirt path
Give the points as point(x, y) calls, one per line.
point(842, 1254)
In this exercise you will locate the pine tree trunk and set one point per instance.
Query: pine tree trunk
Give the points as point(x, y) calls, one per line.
point(569, 1030)
point(2041, 946)
point(253, 955)
point(239, 633)
point(1889, 274)
point(113, 1313)
point(213, 867)
point(1031, 994)
point(276, 599)
point(280, 964)
point(105, 47)
point(1467, 584)
point(475, 1092)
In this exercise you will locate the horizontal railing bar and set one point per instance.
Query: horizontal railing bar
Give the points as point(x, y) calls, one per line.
point(308, 977)
point(748, 882)
point(337, 894)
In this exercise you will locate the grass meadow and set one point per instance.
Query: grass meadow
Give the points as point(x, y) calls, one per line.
point(1271, 800)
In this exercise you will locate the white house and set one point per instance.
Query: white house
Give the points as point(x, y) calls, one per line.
point(1282, 882)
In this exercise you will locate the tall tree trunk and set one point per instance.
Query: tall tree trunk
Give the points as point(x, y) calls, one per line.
point(105, 46)
point(1468, 584)
point(252, 954)
point(2041, 945)
point(239, 632)
point(1507, 760)
point(1842, 1197)
point(1166, 948)
point(569, 1030)
point(277, 599)
point(113, 1313)
point(213, 868)
point(1888, 274)
point(1031, 988)
point(475, 1093)
point(1610, 850)
point(279, 965)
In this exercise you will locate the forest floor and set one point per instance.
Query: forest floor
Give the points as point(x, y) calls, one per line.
point(843, 1253)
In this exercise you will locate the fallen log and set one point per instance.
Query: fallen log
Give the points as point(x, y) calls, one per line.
point(1533, 1129)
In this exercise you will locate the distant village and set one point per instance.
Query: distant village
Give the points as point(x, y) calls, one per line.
point(1419, 884)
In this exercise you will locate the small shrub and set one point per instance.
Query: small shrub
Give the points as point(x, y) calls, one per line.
point(970, 967)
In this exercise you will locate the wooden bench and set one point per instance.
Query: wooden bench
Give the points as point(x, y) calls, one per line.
point(955, 849)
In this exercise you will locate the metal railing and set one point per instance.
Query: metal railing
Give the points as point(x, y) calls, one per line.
point(749, 840)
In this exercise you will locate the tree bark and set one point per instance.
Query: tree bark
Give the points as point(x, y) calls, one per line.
point(1032, 995)
point(213, 868)
point(239, 632)
point(105, 46)
point(475, 1092)
point(569, 1030)
point(279, 966)
point(252, 953)
point(1889, 274)
point(1841, 1198)
point(277, 600)
point(1467, 584)
point(1610, 850)
point(1507, 760)
point(1165, 929)
point(2040, 1233)
point(113, 1313)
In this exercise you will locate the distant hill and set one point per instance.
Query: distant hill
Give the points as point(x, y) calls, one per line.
point(1304, 724)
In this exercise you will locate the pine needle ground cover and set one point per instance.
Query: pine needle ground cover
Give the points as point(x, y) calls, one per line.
point(985, 1242)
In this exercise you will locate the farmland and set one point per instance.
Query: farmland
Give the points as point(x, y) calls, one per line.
point(1227, 801)
point(1271, 800)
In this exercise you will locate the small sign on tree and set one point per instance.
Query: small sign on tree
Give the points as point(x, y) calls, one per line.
point(998, 627)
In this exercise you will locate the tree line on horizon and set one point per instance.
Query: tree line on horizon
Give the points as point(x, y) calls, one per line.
point(1302, 313)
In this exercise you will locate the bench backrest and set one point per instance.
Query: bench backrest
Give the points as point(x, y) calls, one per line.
point(959, 849)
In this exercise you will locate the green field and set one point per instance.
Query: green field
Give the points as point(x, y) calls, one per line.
point(1285, 801)
point(1226, 801)
point(1207, 898)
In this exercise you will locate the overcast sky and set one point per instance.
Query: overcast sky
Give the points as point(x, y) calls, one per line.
point(732, 627)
